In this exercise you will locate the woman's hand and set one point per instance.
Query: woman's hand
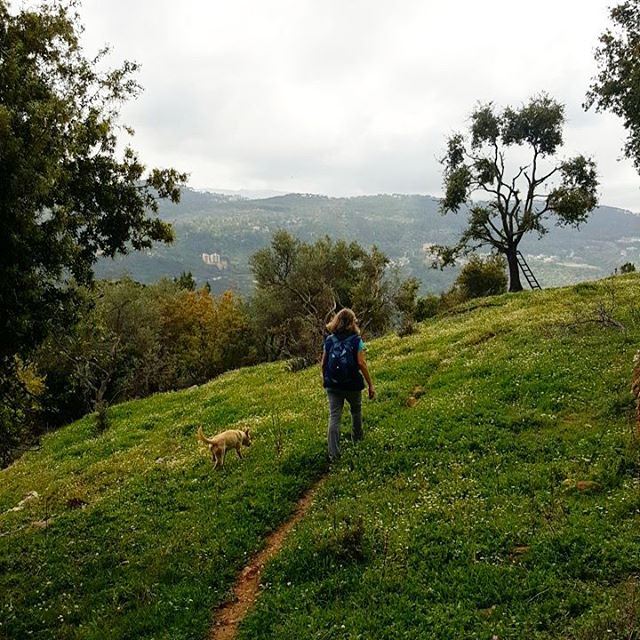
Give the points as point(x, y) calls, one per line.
point(372, 392)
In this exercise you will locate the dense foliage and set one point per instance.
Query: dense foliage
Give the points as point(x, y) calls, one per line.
point(133, 340)
point(482, 276)
point(67, 193)
point(517, 202)
point(299, 285)
point(479, 277)
point(616, 87)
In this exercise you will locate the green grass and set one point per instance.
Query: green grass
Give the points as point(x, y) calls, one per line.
point(454, 518)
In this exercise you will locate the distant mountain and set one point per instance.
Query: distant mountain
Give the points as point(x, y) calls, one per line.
point(250, 194)
point(216, 233)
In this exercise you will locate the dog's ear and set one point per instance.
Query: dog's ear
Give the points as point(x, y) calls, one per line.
point(246, 431)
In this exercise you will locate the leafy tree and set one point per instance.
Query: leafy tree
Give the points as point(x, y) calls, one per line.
point(299, 285)
point(132, 340)
point(427, 307)
point(22, 402)
point(186, 281)
point(515, 202)
point(616, 87)
point(109, 353)
point(67, 194)
point(405, 302)
point(481, 277)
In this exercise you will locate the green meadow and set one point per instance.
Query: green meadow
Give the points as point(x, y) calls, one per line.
point(496, 493)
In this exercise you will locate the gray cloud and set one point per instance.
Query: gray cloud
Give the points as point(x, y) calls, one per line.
point(347, 97)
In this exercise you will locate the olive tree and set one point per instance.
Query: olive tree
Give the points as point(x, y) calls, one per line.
point(299, 285)
point(505, 200)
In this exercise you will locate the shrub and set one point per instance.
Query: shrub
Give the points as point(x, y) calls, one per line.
point(20, 394)
point(628, 267)
point(427, 307)
point(482, 277)
point(407, 328)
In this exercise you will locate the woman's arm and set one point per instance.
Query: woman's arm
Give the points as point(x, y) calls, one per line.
point(323, 364)
point(362, 363)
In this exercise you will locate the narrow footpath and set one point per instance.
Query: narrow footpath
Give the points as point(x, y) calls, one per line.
point(246, 590)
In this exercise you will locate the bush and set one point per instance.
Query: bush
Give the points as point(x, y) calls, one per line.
point(21, 388)
point(133, 340)
point(427, 307)
point(482, 277)
point(628, 267)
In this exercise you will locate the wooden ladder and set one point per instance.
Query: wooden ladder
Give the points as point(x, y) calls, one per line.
point(526, 270)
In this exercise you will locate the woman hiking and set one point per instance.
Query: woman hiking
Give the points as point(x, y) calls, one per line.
point(343, 367)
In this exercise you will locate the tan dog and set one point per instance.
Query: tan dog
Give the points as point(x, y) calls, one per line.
point(218, 445)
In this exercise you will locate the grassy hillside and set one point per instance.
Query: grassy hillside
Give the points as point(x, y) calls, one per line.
point(463, 514)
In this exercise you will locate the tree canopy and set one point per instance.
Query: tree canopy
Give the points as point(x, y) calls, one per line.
point(299, 285)
point(616, 86)
point(67, 192)
point(513, 199)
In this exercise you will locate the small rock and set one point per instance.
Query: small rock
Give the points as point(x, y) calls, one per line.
point(411, 401)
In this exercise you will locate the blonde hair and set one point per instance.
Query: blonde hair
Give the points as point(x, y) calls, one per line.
point(344, 321)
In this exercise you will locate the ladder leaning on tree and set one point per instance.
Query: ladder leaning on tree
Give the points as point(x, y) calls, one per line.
point(526, 270)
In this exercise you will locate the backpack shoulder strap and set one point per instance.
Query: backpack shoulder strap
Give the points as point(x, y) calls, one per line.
point(330, 341)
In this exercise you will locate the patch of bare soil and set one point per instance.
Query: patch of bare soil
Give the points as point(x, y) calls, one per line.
point(247, 587)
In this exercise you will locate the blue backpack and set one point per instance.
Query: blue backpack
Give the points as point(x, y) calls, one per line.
point(341, 369)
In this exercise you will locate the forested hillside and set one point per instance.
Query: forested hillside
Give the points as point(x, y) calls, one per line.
point(401, 225)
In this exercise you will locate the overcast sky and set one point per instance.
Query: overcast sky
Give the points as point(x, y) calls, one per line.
point(347, 97)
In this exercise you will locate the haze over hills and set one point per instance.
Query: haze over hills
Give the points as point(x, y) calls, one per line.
point(216, 233)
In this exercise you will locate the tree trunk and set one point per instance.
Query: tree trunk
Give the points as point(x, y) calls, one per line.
point(514, 270)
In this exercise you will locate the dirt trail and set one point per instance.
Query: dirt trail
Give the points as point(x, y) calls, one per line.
point(245, 592)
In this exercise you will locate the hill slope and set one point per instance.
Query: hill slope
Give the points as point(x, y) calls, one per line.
point(457, 516)
point(401, 225)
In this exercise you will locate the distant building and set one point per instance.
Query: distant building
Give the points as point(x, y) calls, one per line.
point(216, 260)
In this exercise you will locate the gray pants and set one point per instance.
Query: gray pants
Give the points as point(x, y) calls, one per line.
point(336, 404)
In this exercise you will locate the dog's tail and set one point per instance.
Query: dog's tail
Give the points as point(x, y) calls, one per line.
point(201, 437)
